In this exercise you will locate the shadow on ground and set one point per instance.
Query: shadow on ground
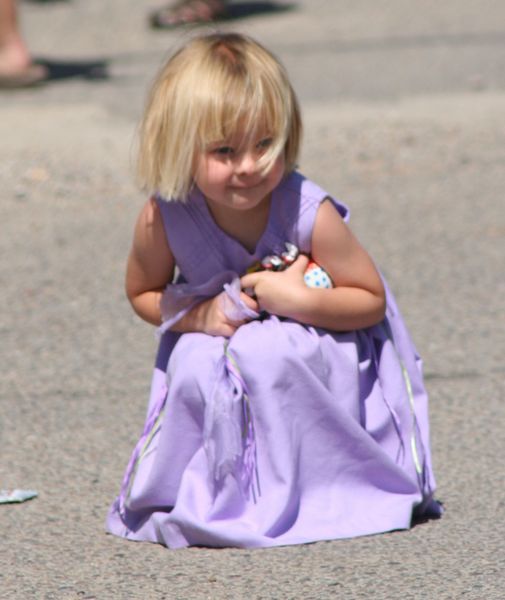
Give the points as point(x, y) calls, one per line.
point(89, 70)
point(239, 10)
point(234, 11)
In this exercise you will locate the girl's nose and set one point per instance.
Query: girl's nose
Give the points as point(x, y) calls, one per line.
point(247, 163)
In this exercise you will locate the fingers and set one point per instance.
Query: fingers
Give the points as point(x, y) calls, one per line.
point(301, 263)
point(249, 280)
point(249, 302)
point(228, 330)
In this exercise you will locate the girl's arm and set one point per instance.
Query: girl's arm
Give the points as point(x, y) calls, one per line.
point(356, 301)
point(151, 267)
point(150, 264)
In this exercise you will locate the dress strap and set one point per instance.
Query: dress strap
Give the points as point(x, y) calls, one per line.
point(189, 234)
point(299, 200)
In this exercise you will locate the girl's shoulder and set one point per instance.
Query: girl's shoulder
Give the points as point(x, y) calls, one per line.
point(298, 200)
point(308, 195)
point(188, 231)
point(179, 214)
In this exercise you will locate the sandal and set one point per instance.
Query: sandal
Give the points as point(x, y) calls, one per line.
point(189, 12)
point(34, 74)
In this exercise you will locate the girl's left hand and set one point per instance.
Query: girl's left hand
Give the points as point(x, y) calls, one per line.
point(279, 292)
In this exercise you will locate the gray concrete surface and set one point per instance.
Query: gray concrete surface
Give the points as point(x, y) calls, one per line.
point(404, 107)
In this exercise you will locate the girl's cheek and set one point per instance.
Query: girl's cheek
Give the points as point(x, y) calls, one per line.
point(199, 164)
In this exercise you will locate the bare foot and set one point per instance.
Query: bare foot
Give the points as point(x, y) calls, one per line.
point(185, 12)
point(17, 68)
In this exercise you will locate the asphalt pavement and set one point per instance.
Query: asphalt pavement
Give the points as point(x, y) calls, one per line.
point(404, 112)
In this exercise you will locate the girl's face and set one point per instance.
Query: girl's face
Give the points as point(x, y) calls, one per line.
point(227, 172)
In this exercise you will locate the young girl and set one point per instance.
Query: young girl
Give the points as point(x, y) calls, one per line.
point(279, 413)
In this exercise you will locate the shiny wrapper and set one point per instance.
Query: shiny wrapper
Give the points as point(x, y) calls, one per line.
point(16, 496)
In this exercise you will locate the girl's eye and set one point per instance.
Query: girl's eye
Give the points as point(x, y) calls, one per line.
point(223, 150)
point(264, 144)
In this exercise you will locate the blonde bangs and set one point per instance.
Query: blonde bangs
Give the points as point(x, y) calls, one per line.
point(250, 110)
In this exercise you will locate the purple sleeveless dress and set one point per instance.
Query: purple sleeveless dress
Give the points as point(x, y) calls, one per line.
point(284, 433)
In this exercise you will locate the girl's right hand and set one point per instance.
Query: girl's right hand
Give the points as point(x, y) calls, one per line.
point(209, 317)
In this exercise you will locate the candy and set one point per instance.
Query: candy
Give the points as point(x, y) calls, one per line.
point(290, 255)
point(316, 277)
point(273, 263)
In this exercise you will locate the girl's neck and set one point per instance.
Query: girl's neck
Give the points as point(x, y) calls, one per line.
point(245, 226)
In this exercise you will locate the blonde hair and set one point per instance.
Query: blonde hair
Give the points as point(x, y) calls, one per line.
point(214, 86)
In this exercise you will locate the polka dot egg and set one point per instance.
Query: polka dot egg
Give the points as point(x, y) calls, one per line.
point(316, 277)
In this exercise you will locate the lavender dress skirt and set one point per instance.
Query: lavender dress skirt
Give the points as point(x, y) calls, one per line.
point(284, 433)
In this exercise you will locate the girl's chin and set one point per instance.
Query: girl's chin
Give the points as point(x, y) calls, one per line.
point(245, 199)
point(240, 203)
point(239, 200)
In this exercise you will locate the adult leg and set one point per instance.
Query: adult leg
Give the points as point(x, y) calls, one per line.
point(16, 65)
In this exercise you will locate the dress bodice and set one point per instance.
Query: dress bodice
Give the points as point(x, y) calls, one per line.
point(201, 249)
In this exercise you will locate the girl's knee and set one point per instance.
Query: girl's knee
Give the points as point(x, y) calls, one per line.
point(194, 359)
